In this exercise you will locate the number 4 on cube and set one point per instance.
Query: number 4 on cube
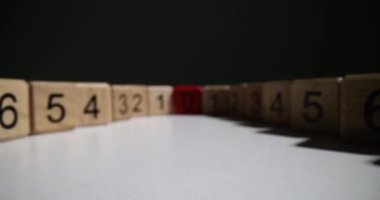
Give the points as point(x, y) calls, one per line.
point(95, 103)
point(276, 102)
point(14, 109)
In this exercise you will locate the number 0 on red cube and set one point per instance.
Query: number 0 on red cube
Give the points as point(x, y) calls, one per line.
point(187, 99)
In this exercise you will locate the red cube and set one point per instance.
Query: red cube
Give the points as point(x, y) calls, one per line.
point(187, 99)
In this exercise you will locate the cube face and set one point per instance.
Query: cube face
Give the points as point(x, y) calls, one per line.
point(215, 99)
point(253, 106)
point(187, 99)
point(139, 100)
point(237, 100)
point(160, 100)
point(95, 103)
point(276, 102)
point(360, 107)
point(316, 105)
point(14, 109)
point(54, 106)
point(121, 102)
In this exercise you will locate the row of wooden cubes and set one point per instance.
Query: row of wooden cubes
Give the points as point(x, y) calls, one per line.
point(40, 106)
point(349, 106)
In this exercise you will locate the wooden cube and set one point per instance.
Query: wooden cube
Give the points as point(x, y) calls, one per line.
point(121, 97)
point(215, 99)
point(54, 106)
point(187, 99)
point(276, 102)
point(237, 100)
point(94, 103)
point(160, 100)
point(316, 105)
point(253, 105)
point(360, 108)
point(14, 109)
point(139, 100)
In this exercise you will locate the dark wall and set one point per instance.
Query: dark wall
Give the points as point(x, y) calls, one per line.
point(198, 41)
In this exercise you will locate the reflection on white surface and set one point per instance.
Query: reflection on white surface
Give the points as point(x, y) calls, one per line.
point(179, 157)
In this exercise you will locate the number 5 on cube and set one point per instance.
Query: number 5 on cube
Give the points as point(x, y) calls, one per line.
point(315, 105)
point(14, 109)
point(54, 106)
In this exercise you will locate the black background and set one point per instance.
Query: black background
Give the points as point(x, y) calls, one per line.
point(198, 41)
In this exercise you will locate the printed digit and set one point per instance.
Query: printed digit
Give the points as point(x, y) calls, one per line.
point(308, 103)
point(54, 105)
point(123, 100)
point(370, 110)
point(10, 109)
point(92, 107)
point(276, 105)
point(137, 107)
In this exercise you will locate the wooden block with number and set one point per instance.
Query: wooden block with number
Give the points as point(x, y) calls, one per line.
point(94, 103)
point(215, 99)
point(14, 109)
point(160, 100)
point(120, 102)
point(316, 105)
point(253, 104)
point(237, 100)
point(54, 106)
point(139, 100)
point(276, 102)
point(187, 99)
point(360, 108)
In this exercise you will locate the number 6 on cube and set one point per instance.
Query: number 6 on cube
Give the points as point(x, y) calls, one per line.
point(360, 108)
point(14, 109)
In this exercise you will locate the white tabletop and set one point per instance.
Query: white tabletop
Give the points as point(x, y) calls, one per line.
point(184, 157)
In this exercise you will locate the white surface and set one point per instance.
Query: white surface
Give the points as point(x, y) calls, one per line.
point(180, 157)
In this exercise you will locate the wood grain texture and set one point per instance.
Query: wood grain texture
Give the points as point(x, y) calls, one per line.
point(215, 99)
point(54, 106)
point(160, 99)
point(94, 104)
point(276, 102)
point(15, 115)
point(316, 105)
point(360, 108)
